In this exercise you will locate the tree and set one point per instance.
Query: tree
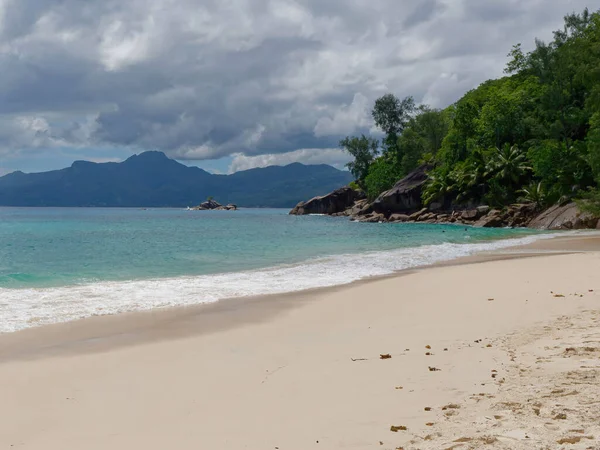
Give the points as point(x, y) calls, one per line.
point(382, 176)
point(535, 193)
point(518, 60)
point(391, 115)
point(432, 125)
point(438, 186)
point(364, 150)
point(593, 146)
point(508, 166)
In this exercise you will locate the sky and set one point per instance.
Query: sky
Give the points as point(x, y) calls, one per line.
point(229, 85)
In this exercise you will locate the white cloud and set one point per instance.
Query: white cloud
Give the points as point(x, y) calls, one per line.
point(346, 119)
point(332, 156)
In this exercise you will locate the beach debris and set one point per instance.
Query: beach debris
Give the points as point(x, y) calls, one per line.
point(428, 347)
point(490, 299)
point(450, 406)
point(478, 341)
point(573, 439)
point(428, 354)
point(434, 369)
point(427, 408)
point(380, 442)
point(385, 356)
point(445, 349)
point(395, 429)
point(489, 345)
point(560, 416)
point(429, 424)
point(590, 290)
point(358, 359)
point(398, 388)
point(407, 350)
point(559, 296)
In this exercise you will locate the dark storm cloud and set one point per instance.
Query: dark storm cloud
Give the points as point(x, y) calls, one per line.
point(263, 80)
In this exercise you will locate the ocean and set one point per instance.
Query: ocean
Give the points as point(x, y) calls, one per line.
point(63, 264)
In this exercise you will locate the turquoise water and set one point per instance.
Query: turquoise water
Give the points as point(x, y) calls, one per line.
point(61, 264)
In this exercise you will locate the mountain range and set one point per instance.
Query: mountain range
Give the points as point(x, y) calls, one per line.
point(151, 179)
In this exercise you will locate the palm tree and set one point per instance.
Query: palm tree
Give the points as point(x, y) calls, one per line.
point(508, 166)
point(438, 185)
point(534, 193)
point(469, 177)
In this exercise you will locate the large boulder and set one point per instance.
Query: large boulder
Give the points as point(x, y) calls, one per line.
point(563, 217)
point(418, 214)
point(405, 196)
point(399, 218)
point(491, 220)
point(470, 214)
point(371, 218)
point(336, 202)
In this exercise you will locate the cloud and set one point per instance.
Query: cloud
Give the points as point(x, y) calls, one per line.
point(204, 79)
point(332, 156)
point(346, 119)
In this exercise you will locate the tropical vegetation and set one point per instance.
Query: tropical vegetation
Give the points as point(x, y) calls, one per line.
point(533, 135)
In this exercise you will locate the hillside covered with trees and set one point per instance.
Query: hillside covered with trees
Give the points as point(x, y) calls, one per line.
point(531, 136)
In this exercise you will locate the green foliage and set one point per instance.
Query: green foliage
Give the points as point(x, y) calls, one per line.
point(438, 186)
point(534, 193)
point(364, 150)
point(382, 176)
point(590, 202)
point(391, 116)
point(508, 166)
point(354, 185)
point(593, 146)
point(422, 136)
point(544, 119)
point(533, 135)
point(518, 60)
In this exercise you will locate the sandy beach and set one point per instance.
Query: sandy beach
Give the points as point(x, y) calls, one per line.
point(499, 353)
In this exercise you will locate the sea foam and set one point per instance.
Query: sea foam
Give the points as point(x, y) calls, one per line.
point(24, 308)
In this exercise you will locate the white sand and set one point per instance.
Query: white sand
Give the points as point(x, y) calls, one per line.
point(287, 380)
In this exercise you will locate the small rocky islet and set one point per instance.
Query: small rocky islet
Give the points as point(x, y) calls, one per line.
point(212, 205)
point(403, 203)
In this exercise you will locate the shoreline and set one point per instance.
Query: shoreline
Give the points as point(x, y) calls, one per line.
point(501, 353)
point(65, 303)
point(105, 332)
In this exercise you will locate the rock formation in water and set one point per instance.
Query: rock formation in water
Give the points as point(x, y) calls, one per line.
point(333, 203)
point(210, 204)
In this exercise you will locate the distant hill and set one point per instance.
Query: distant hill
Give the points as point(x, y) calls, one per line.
point(151, 179)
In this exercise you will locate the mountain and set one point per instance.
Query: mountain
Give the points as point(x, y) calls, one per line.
point(151, 179)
